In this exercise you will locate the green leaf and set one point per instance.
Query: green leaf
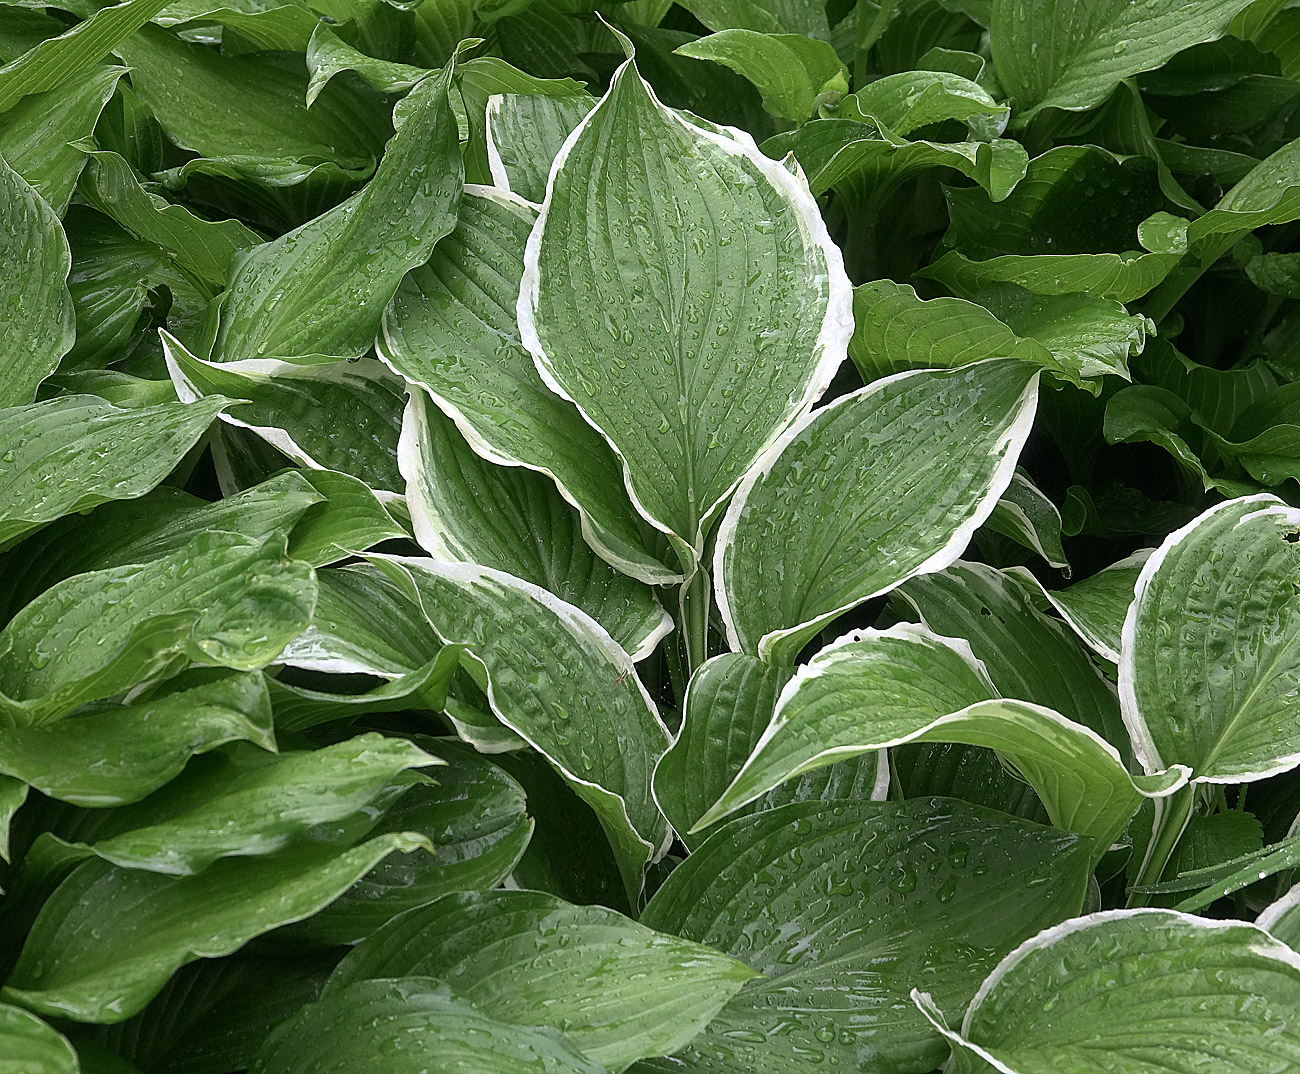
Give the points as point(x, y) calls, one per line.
point(329, 55)
point(322, 288)
point(930, 890)
point(1222, 994)
point(1268, 194)
point(689, 411)
point(222, 599)
point(473, 815)
point(906, 470)
point(909, 100)
point(286, 28)
point(451, 329)
point(38, 128)
point(873, 689)
point(325, 415)
point(619, 990)
point(76, 451)
point(36, 326)
point(1071, 55)
point(358, 1030)
point(835, 151)
point(245, 803)
point(765, 16)
point(1121, 277)
point(1029, 518)
point(1210, 660)
point(1282, 918)
point(13, 793)
point(466, 509)
point(201, 250)
point(118, 753)
point(789, 70)
point(109, 938)
point(583, 708)
point(71, 54)
point(524, 133)
point(29, 1046)
point(1026, 654)
point(350, 519)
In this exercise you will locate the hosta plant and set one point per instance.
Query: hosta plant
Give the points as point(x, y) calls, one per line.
point(728, 536)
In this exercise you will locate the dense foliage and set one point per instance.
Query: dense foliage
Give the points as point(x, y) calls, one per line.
point(735, 536)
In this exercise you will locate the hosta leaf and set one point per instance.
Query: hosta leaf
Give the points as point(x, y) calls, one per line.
point(38, 129)
point(117, 754)
point(201, 250)
point(766, 16)
point(524, 133)
point(618, 990)
point(1282, 918)
point(473, 815)
point(883, 484)
point(729, 703)
point(873, 689)
point(583, 708)
point(358, 1030)
point(1027, 655)
point(1095, 607)
point(845, 906)
point(1210, 660)
point(1122, 277)
point(909, 100)
point(13, 793)
point(222, 599)
point(1268, 194)
point(1224, 990)
point(245, 803)
point(36, 326)
point(109, 938)
point(330, 416)
point(1072, 55)
point(350, 519)
point(467, 509)
point(285, 28)
point(835, 151)
point(328, 55)
point(153, 525)
point(789, 70)
point(244, 107)
point(29, 1046)
point(322, 288)
point(71, 54)
point(73, 452)
point(1029, 518)
point(765, 321)
point(451, 329)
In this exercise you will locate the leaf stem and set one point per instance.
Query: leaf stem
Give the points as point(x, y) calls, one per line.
point(694, 602)
point(1172, 815)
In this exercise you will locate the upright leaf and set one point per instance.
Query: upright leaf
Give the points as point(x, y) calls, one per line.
point(524, 133)
point(888, 482)
point(689, 350)
point(29, 1046)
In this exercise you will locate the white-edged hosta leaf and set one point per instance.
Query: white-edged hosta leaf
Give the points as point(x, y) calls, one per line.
point(467, 509)
point(1282, 918)
point(69, 55)
point(1028, 517)
point(696, 323)
point(202, 250)
point(222, 599)
point(38, 129)
point(581, 706)
point(349, 519)
point(369, 1026)
point(70, 453)
point(524, 132)
point(109, 938)
point(878, 688)
point(322, 288)
point(883, 484)
point(618, 990)
point(790, 71)
point(1143, 989)
point(475, 818)
point(1072, 54)
point(115, 754)
point(729, 703)
point(245, 803)
point(36, 324)
point(29, 1046)
point(1028, 655)
point(1210, 658)
point(1095, 607)
point(845, 906)
point(451, 329)
point(148, 527)
point(908, 100)
point(327, 415)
